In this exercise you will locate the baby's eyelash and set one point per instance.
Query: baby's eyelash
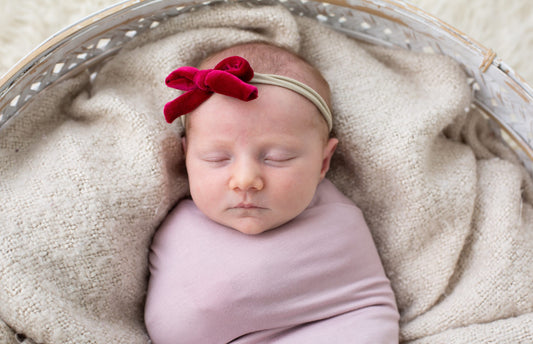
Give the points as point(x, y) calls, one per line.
point(216, 159)
point(279, 158)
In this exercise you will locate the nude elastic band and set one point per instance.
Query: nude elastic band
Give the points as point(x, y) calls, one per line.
point(233, 77)
point(298, 87)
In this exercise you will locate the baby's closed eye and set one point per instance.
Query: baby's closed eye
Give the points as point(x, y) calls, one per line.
point(279, 158)
point(216, 158)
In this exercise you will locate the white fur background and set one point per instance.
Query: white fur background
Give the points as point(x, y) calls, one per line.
point(506, 26)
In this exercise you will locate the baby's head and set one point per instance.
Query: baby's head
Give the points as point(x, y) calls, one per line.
point(255, 165)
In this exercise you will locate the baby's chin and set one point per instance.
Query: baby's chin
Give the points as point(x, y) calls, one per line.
point(251, 226)
point(251, 229)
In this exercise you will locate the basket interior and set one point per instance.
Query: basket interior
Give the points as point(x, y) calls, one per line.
point(498, 92)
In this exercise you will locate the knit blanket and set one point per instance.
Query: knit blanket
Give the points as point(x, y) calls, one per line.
point(90, 169)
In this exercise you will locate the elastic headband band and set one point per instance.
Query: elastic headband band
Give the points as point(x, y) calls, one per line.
point(230, 77)
point(298, 87)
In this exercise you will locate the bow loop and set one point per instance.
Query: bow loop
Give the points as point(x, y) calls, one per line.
point(182, 79)
point(237, 66)
point(229, 78)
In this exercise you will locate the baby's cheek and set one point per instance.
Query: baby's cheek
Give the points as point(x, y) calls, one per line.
point(202, 184)
point(282, 181)
point(296, 187)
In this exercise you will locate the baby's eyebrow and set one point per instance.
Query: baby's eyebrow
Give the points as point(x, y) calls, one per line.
point(215, 146)
point(217, 138)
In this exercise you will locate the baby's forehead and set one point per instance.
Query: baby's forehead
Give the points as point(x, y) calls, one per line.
point(217, 115)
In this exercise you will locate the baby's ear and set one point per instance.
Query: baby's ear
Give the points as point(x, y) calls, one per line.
point(329, 149)
point(184, 144)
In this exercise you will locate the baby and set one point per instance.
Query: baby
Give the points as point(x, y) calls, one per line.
point(267, 250)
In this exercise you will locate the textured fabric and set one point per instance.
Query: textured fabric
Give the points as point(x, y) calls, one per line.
point(229, 78)
point(492, 23)
point(89, 170)
point(316, 279)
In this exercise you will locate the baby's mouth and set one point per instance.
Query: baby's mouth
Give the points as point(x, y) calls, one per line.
point(244, 205)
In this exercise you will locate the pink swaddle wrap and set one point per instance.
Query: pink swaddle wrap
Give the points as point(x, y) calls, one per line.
point(316, 279)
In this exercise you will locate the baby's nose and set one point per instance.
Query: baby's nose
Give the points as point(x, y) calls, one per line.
point(246, 176)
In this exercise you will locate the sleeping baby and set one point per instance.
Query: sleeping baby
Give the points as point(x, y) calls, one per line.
point(266, 250)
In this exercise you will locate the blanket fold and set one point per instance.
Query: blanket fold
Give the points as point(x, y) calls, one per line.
point(89, 170)
point(316, 279)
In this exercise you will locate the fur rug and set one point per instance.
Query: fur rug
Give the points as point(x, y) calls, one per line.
point(504, 26)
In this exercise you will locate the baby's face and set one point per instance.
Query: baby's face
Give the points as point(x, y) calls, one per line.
point(254, 166)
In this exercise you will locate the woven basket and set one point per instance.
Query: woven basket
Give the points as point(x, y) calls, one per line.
point(499, 92)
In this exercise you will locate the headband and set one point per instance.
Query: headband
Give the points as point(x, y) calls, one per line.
point(230, 77)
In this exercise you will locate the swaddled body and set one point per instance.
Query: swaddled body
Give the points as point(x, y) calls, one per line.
point(315, 279)
point(267, 250)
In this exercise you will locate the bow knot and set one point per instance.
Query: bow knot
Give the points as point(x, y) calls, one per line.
point(199, 79)
point(229, 78)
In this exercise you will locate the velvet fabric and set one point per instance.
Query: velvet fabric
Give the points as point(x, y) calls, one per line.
point(229, 78)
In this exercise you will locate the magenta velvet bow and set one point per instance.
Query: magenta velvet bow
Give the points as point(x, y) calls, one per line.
point(229, 77)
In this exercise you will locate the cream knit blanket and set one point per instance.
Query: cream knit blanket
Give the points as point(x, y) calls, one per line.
point(89, 170)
